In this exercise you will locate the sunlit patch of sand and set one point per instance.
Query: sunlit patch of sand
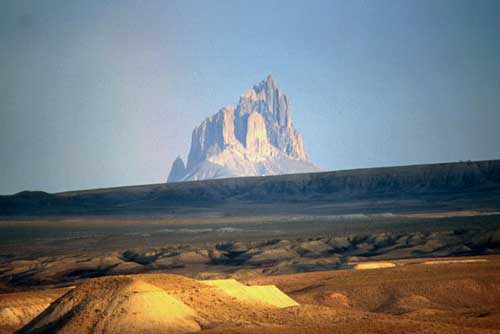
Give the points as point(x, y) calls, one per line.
point(265, 294)
point(142, 304)
point(373, 265)
point(116, 306)
point(17, 316)
point(18, 308)
point(148, 308)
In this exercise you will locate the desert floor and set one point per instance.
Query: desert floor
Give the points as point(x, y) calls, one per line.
point(427, 295)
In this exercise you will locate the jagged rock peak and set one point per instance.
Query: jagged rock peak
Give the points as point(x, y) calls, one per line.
point(212, 136)
point(264, 85)
point(255, 138)
point(266, 98)
point(178, 170)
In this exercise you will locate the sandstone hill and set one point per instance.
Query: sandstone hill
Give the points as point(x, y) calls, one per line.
point(159, 303)
point(256, 138)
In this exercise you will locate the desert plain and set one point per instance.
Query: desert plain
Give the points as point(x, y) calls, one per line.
point(402, 250)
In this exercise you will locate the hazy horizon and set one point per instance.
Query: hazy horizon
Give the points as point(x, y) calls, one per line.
point(99, 95)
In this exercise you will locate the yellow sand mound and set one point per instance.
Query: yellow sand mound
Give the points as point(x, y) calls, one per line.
point(14, 317)
point(19, 308)
point(156, 303)
point(145, 308)
point(116, 306)
point(373, 265)
point(267, 294)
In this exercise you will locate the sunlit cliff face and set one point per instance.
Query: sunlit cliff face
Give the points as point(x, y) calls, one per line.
point(255, 138)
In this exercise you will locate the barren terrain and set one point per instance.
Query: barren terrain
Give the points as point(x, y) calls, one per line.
point(409, 249)
point(452, 296)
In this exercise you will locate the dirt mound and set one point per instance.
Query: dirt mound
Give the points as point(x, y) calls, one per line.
point(116, 305)
point(14, 317)
point(337, 299)
point(157, 303)
point(409, 304)
point(373, 265)
point(267, 294)
point(17, 309)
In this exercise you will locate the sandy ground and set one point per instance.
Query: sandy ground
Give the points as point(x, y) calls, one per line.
point(242, 259)
point(373, 265)
point(460, 295)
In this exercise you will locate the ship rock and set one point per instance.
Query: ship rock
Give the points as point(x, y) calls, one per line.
point(256, 138)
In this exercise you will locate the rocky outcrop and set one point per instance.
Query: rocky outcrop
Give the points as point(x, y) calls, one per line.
point(178, 170)
point(267, 100)
point(256, 138)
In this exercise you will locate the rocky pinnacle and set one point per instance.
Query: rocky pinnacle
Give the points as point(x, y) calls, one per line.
point(255, 138)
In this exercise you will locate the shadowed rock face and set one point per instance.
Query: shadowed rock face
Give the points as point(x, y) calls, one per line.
point(437, 187)
point(256, 138)
point(178, 170)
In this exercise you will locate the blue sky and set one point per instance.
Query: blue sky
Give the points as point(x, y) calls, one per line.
point(107, 93)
